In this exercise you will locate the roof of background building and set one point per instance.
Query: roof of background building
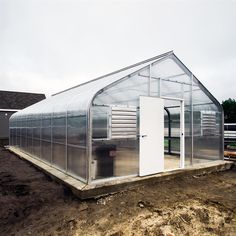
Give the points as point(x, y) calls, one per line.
point(18, 100)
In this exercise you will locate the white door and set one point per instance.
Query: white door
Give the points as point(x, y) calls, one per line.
point(151, 144)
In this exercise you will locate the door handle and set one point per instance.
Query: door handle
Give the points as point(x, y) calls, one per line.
point(141, 136)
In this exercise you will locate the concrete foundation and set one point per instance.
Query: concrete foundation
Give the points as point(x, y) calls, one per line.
point(99, 188)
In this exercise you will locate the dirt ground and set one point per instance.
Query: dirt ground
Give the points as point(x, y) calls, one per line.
point(32, 204)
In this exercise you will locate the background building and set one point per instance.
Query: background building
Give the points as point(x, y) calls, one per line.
point(11, 102)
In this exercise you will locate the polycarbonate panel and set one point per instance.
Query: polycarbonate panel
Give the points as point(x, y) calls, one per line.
point(29, 133)
point(59, 119)
point(46, 134)
point(30, 145)
point(59, 155)
point(115, 158)
point(18, 136)
point(155, 87)
point(77, 161)
point(36, 132)
point(188, 137)
point(46, 119)
point(77, 129)
point(46, 151)
point(207, 145)
point(23, 143)
point(59, 134)
point(170, 71)
point(100, 123)
point(126, 92)
point(171, 89)
point(36, 148)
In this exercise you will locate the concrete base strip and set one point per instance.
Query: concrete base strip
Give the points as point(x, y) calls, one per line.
point(99, 188)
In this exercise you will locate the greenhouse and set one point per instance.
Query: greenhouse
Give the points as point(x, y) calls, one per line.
point(150, 117)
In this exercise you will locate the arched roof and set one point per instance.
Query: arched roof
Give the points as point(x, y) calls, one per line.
point(78, 98)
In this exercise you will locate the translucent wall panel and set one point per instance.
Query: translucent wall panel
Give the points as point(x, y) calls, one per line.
point(77, 161)
point(77, 129)
point(36, 131)
point(171, 77)
point(100, 120)
point(29, 139)
point(207, 146)
point(186, 90)
point(55, 138)
point(46, 151)
point(116, 157)
point(188, 136)
point(36, 150)
point(166, 69)
point(59, 155)
point(76, 142)
point(126, 92)
point(46, 137)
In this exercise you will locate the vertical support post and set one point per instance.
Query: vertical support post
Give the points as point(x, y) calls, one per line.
point(27, 131)
point(89, 145)
point(182, 136)
point(20, 146)
point(51, 136)
point(169, 134)
point(66, 141)
point(169, 130)
point(109, 125)
point(191, 118)
point(182, 90)
point(40, 136)
point(17, 133)
point(9, 133)
point(32, 133)
point(149, 80)
point(222, 137)
point(159, 87)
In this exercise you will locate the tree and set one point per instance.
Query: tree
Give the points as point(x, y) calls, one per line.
point(229, 107)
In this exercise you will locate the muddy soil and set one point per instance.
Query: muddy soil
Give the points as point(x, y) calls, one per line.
point(32, 204)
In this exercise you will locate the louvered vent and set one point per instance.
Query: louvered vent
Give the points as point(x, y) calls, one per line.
point(208, 123)
point(123, 122)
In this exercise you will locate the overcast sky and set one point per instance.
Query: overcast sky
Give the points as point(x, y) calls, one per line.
point(50, 45)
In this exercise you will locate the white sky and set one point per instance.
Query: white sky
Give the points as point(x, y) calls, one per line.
point(50, 45)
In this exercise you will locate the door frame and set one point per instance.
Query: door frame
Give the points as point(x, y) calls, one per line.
point(182, 129)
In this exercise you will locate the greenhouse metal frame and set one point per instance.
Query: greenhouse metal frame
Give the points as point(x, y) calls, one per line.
point(95, 131)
